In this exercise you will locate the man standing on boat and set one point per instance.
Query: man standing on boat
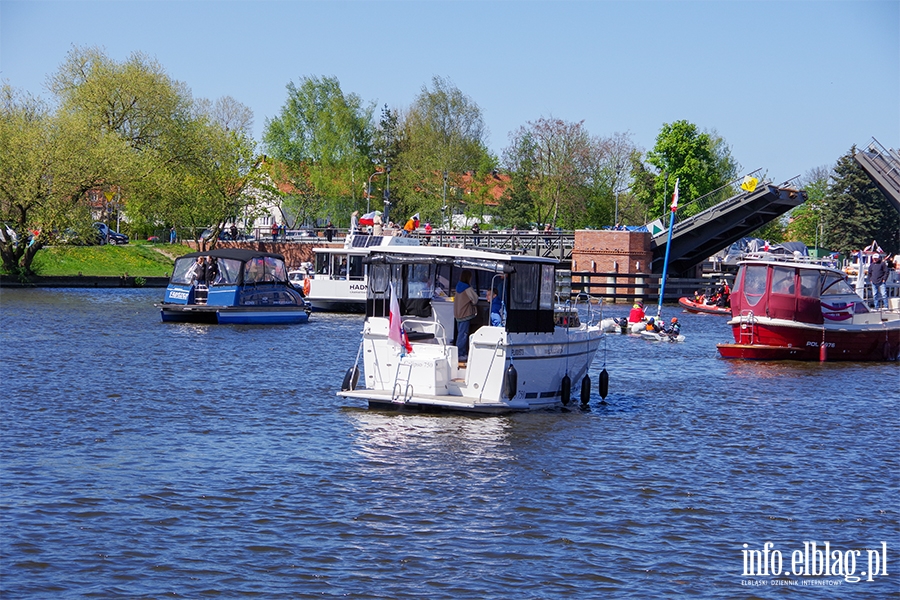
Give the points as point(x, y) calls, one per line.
point(878, 275)
point(465, 307)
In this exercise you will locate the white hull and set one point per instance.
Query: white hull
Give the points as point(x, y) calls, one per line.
point(431, 376)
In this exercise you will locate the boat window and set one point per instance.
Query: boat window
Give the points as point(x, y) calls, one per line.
point(356, 267)
point(810, 283)
point(275, 270)
point(754, 283)
point(548, 286)
point(229, 271)
point(836, 285)
point(255, 270)
point(322, 264)
point(339, 266)
point(783, 280)
point(524, 291)
point(419, 280)
point(378, 279)
point(531, 290)
point(182, 273)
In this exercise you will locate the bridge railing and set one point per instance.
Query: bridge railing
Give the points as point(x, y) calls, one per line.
point(711, 199)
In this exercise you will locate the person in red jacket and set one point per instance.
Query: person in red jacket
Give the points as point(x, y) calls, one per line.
point(637, 313)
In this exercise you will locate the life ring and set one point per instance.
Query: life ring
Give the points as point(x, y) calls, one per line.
point(306, 286)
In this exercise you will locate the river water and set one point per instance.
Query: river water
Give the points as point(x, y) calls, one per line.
point(142, 459)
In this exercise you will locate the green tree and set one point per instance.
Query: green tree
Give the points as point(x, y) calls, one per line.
point(49, 161)
point(443, 131)
point(701, 162)
point(553, 157)
point(805, 221)
point(855, 212)
point(324, 139)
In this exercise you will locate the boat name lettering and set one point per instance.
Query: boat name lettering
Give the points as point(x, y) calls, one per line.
point(357, 287)
point(178, 294)
point(812, 344)
point(518, 352)
point(554, 350)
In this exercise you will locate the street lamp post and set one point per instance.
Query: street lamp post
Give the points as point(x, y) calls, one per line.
point(444, 205)
point(618, 170)
point(369, 189)
point(387, 192)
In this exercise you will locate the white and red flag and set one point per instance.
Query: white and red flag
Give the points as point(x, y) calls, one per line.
point(396, 335)
point(675, 197)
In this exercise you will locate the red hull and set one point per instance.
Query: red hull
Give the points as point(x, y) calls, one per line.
point(804, 343)
point(696, 307)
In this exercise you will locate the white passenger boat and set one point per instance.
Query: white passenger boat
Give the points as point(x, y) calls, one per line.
point(338, 279)
point(528, 360)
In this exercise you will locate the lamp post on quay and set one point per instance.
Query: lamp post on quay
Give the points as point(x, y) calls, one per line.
point(387, 192)
point(369, 187)
point(444, 205)
point(618, 170)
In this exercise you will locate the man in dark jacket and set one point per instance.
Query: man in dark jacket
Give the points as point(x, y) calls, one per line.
point(878, 276)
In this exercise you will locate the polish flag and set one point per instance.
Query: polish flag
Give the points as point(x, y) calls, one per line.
point(396, 335)
point(675, 197)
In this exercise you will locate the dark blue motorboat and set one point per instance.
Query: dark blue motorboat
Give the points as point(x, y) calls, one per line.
point(232, 285)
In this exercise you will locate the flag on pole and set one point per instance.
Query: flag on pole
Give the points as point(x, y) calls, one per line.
point(396, 335)
point(675, 197)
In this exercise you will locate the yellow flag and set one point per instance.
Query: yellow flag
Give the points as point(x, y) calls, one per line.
point(749, 183)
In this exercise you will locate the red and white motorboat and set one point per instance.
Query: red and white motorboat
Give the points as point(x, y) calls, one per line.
point(799, 309)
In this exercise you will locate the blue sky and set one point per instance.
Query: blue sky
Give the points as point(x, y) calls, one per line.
point(789, 85)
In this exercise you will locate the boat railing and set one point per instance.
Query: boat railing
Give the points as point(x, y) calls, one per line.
point(790, 258)
point(582, 302)
point(437, 332)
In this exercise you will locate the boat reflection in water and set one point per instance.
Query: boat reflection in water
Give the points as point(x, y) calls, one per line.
point(232, 285)
point(801, 309)
point(527, 356)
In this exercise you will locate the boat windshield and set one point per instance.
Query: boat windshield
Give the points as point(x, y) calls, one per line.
point(185, 271)
point(264, 269)
point(754, 283)
point(836, 285)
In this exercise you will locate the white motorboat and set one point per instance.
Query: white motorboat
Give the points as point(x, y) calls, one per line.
point(337, 282)
point(530, 358)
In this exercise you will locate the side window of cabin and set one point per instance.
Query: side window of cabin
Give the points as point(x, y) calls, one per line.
point(525, 290)
point(754, 283)
point(548, 287)
point(356, 267)
point(181, 274)
point(275, 270)
point(322, 264)
point(783, 280)
point(810, 283)
point(229, 270)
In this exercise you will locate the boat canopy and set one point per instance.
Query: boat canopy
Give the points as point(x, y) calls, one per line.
point(234, 266)
point(526, 285)
point(789, 288)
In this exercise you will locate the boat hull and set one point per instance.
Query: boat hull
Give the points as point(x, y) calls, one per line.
point(710, 309)
point(431, 378)
point(773, 340)
point(233, 315)
point(337, 305)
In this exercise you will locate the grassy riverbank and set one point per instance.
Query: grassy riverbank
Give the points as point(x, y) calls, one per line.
point(137, 259)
